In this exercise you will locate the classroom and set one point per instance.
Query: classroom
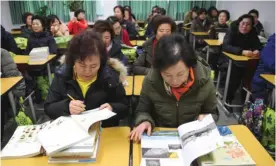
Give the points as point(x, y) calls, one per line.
point(138, 83)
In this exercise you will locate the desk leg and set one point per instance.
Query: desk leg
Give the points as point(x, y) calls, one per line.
point(185, 32)
point(32, 108)
point(49, 73)
point(194, 42)
point(12, 102)
point(208, 54)
point(227, 81)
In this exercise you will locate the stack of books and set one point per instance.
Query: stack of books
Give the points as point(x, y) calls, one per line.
point(39, 54)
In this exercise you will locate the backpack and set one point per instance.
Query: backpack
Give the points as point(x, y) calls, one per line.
point(268, 128)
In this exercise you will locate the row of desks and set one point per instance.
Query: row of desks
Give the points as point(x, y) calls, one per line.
point(134, 86)
point(114, 149)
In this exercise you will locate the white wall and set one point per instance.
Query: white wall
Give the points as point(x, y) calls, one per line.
point(6, 16)
point(266, 11)
point(107, 6)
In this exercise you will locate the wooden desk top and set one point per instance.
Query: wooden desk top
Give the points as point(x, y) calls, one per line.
point(8, 83)
point(24, 59)
point(129, 87)
point(186, 28)
point(137, 42)
point(16, 32)
point(200, 33)
point(269, 78)
point(138, 82)
point(113, 150)
point(237, 57)
point(211, 42)
point(246, 138)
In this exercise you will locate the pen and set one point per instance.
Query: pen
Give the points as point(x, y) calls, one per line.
point(70, 97)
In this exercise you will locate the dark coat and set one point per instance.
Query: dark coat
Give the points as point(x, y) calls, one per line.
point(116, 52)
point(41, 39)
point(130, 27)
point(26, 32)
point(266, 66)
point(259, 27)
point(7, 42)
point(106, 89)
point(217, 28)
point(143, 63)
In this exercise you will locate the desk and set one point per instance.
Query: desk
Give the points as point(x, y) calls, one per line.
point(6, 85)
point(16, 32)
point(211, 43)
point(185, 30)
point(138, 82)
point(137, 42)
point(232, 57)
point(270, 78)
point(198, 34)
point(24, 59)
point(113, 150)
point(129, 87)
point(245, 137)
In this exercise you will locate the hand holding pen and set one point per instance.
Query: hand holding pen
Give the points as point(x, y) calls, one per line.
point(76, 106)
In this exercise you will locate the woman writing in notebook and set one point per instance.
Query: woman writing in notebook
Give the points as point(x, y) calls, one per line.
point(86, 82)
point(177, 90)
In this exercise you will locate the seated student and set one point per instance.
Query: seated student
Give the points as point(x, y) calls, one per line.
point(129, 26)
point(120, 33)
point(7, 42)
point(27, 28)
point(154, 11)
point(200, 24)
point(56, 27)
point(78, 23)
point(221, 25)
point(128, 15)
point(257, 24)
point(178, 90)
point(129, 8)
point(190, 15)
point(89, 80)
point(240, 40)
point(149, 31)
point(212, 15)
point(266, 66)
point(40, 37)
point(162, 25)
point(113, 47)
point(162, 11)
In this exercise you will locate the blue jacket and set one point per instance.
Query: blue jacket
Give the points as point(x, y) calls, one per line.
point(266, 66)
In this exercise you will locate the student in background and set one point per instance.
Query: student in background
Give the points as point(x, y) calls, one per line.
point(120, 33)
point(27, 28)
point(149, 31)
point(78, 23)
point(241, 40)
point(257, 24)
point(129, 8)
point(177, 90)
point(190, 15)
point(266, 66)
point(89, 80)
point(162, 25)
point(212, 14)
point(162, 11)
point(129, 26)
point(56, 27)
point(40, 37)
point(113, 47)
point(128, 15)
point(7, 42)
point(154, 11)
point(221, 25)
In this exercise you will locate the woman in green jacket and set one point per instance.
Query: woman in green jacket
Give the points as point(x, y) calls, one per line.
point(177, 90)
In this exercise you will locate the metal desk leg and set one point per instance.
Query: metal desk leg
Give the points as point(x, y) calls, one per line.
point(208, 54)
point(227, 81)
point(49, 73)
point(32, 108)
point(13, 105)
point(185, 32)
point(194, 42)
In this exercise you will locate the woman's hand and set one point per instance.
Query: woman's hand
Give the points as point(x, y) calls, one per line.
point(201, 116)
point(136, 133)
point(107, 106)
point(247, 53)
point(256, 53)
point(76, 107)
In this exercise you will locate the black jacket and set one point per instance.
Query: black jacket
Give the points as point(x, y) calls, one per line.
point(130, 27)
point(41, 39)
point(259, 27)
point(7, 41)
point(217, 28)
point(106, 89)
point(116, 52)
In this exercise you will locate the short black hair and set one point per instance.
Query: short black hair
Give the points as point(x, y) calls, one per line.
point(51, 18)
point(195, 8)
point(155, 7)
point(162, 11)
point(202, 10)
point(170, 49)
point(246, 16)
point(254, 11)
point(211, 9)
point(112, 20)
point(226, 13)
point(41, 19)
point(87, 43)
point(25, 16)
point(77, 12)
point(121, 9)
point(102, 26)
point(127, 7)
point(160, 19)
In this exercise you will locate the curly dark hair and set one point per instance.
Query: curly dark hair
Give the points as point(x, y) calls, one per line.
point(254, 11)
point(211, 9)
point(226, 13)
point(170, 49)
point(112, 20)
point(102, 26)
point(77, 12)
point(51, 19)
point(41, 19)
point(160, 19)
point(121, 9)
point(85, 44)
point(202, 10)
point(25, 16)
point(246, 16)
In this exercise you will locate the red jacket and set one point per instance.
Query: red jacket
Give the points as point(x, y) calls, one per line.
point(125, 38)
point(77, 27)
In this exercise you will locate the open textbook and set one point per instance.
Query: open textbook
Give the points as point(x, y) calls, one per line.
point(182, 147)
